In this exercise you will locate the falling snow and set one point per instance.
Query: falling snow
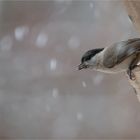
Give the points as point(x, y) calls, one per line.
point(6, 43)
point(21, 32)
point(53, 64)
point(55, 92)
point(42, 94)
point(42, 40)
point(84, 84)
point(79, 116)
point(91, 5)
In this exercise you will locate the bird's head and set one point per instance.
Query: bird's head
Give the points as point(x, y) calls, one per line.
point(88, 60)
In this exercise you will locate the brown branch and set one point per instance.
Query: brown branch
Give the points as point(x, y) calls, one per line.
point(133, 10)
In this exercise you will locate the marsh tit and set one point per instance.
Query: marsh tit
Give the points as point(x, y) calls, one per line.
point(119, 57)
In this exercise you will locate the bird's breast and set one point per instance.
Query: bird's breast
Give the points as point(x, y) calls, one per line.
point(121, 67)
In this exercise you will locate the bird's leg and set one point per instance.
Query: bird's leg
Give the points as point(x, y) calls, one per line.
point(130, 73)
point(131, 67)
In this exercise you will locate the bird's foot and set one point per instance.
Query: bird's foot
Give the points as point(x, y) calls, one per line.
point(130, 73)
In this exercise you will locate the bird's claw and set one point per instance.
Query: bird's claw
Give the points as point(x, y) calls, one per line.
point(131, 74)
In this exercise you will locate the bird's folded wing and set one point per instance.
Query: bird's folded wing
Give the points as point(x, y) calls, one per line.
point(118, 52)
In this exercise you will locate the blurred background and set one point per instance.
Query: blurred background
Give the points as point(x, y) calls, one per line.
point(42, 94)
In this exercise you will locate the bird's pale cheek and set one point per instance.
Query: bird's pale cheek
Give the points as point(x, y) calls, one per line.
point(92, 64)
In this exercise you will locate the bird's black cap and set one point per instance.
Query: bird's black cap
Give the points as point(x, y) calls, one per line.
point(89, 54)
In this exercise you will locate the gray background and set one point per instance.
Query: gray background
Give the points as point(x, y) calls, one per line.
point(42, 94)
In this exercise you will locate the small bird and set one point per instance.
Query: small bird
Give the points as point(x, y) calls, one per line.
point(119, 57)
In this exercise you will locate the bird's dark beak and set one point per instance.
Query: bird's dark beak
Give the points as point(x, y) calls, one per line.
point(82, 66)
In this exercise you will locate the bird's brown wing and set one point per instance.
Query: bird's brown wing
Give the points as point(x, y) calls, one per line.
point(118, 52)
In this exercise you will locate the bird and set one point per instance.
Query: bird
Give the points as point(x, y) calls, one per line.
point(119, 57)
